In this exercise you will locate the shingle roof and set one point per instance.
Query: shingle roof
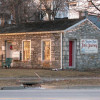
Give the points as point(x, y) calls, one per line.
point(95, 19)
point(56, 25)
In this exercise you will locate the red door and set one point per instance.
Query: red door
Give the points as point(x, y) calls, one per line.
point(70, 52)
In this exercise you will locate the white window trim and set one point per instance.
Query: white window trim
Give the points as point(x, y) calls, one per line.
point(23, 48)
point(42, 49)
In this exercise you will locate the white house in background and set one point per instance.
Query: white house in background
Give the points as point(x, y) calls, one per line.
point(71, 9)
point(76, 9)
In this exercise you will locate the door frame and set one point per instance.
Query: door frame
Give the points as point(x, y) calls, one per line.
point(6, 49)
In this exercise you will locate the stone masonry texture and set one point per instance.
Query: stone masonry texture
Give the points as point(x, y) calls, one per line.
point(36, 39)
point(85, 30)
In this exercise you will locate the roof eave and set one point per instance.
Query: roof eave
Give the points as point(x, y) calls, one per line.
point(25, 33)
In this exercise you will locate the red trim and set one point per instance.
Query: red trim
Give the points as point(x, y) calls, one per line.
point(70, 52)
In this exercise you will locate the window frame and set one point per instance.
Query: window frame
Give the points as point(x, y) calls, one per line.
point(42, 54)
point(23, 49)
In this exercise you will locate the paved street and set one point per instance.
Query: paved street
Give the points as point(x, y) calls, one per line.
point(57, 94)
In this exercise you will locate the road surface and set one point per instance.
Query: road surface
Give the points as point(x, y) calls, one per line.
point(50, 94)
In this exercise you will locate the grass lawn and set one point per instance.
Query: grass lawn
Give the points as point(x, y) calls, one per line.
point(47, 73)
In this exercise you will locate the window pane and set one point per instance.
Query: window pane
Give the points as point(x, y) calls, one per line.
point(46, 50)
point(26, 50)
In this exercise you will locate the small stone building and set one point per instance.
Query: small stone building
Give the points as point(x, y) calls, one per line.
point(59, 44)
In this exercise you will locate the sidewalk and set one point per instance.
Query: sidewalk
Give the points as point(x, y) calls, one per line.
point(49, 78)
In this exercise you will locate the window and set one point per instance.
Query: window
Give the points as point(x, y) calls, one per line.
point(26, 50)
point(73, 4)
point(46, 50)
point(89, 3)
point(0, 2)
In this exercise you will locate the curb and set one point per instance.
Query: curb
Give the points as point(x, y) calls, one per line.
point(83, 87)
point(52, 87)
point(70, 87)
point(46, 78)
point(12, 88)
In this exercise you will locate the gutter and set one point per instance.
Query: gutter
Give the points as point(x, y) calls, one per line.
point(24, 33)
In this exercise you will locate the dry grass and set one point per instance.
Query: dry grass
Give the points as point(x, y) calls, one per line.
point(75, 82)
point(21, 73)
point(4, 83)
point(70, 83)
point(47, 73)
point(57, 84)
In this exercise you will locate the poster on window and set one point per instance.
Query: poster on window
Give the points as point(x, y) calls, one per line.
point(88, 46)
point(16, 55)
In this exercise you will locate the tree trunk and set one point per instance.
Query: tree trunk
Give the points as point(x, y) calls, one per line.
point(49, 17)
point(16, 15)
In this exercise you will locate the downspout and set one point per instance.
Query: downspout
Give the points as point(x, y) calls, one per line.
point(61, 51)
point(5, 49)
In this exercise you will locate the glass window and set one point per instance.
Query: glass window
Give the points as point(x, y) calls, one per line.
point(26, 50)
point(46, 50)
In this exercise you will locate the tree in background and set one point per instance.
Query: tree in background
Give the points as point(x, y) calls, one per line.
point(96, 5)
point(51, 7)
point(4, 12)
point(15, 8)
point(85, 7)
point(32, 10)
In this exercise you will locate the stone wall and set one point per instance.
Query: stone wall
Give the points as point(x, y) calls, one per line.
point(85, 30)
point(36, 39)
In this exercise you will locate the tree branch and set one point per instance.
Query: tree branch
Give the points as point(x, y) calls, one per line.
point(94, 4)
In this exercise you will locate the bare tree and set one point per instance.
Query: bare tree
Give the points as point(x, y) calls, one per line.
point(32, 10)
point(51, 7)
point(85, 7)
point(15, 7)
point(4, 12)
point(24, 10)
point(96, 5)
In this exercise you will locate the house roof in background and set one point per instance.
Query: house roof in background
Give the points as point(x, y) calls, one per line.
point(56, 25)
point(95, 19)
